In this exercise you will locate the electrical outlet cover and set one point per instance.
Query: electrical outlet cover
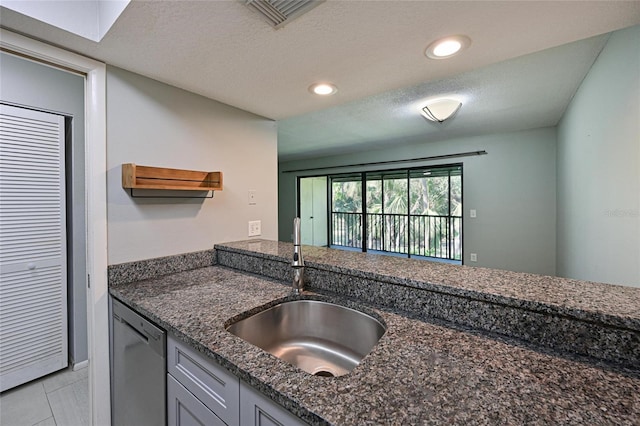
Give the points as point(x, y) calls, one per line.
point(255, 228)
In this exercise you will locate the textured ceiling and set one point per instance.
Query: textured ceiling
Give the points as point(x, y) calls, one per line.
point(523, 93)
point(225, 51)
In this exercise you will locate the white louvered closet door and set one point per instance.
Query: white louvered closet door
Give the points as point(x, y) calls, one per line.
point(33, 282)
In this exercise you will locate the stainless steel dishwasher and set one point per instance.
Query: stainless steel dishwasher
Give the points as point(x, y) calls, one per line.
point(138, 369)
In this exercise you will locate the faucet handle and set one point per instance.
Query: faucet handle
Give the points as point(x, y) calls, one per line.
point(298, 261)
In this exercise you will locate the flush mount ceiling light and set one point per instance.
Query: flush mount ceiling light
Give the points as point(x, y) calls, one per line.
point(447, 47)
point(323, 89)
point(440, 110)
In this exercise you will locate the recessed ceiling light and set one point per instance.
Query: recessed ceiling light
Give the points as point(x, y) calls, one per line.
point(447, 47)
point(323, 89)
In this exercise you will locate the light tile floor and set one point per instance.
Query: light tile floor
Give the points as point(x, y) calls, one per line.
point(59, 399)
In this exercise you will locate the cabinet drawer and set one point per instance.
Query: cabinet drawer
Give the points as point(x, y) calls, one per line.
point(184, 409)
point(217, 388)
point(258, 410)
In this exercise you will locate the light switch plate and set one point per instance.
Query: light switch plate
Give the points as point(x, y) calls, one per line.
point(255, 228)
point(473, 213)
point(253, 200)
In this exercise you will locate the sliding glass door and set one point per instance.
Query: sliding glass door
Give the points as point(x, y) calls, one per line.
point(409, 212)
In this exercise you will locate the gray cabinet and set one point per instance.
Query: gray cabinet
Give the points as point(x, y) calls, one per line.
point(201, 392)
point(258, 410)
point(184, 409)
point(216, 387)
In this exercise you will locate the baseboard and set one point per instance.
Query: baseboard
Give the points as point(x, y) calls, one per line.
point(80, 365)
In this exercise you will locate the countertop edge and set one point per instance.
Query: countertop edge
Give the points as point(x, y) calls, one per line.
point(632, 324)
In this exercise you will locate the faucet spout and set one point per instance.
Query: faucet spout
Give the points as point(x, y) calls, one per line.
point(298, 261)
point(298, 280)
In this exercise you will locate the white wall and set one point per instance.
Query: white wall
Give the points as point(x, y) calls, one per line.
point(599, 169)
point(512, 188)
point(153, 124)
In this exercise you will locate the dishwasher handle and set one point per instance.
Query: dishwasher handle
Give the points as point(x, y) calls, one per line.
point(146, 330)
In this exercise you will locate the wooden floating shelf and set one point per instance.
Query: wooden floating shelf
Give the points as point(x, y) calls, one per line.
point(146, 177)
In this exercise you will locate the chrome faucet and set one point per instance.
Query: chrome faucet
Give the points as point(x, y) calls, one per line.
point(298, 261)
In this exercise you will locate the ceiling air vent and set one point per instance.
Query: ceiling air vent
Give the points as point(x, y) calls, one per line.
point(280, 12)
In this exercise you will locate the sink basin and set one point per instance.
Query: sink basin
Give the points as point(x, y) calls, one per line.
point(320, 338)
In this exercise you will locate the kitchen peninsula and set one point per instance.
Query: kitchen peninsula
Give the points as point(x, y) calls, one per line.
point(463, 345)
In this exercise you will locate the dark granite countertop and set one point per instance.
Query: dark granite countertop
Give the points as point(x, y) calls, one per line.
point(610, 304)
point(421, 372)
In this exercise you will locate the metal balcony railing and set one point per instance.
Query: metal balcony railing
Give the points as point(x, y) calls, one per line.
point(414, 235)
point(346, 229)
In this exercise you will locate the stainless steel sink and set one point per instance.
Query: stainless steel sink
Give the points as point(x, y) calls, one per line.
point(320, 338)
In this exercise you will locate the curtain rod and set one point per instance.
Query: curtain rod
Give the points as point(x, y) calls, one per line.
point(411, 160)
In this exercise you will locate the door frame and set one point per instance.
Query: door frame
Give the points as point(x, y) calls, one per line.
point(95, 208)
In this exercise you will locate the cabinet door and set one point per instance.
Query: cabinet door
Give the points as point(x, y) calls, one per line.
point(216, 387)
point(184, 409)
point(258, 410)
